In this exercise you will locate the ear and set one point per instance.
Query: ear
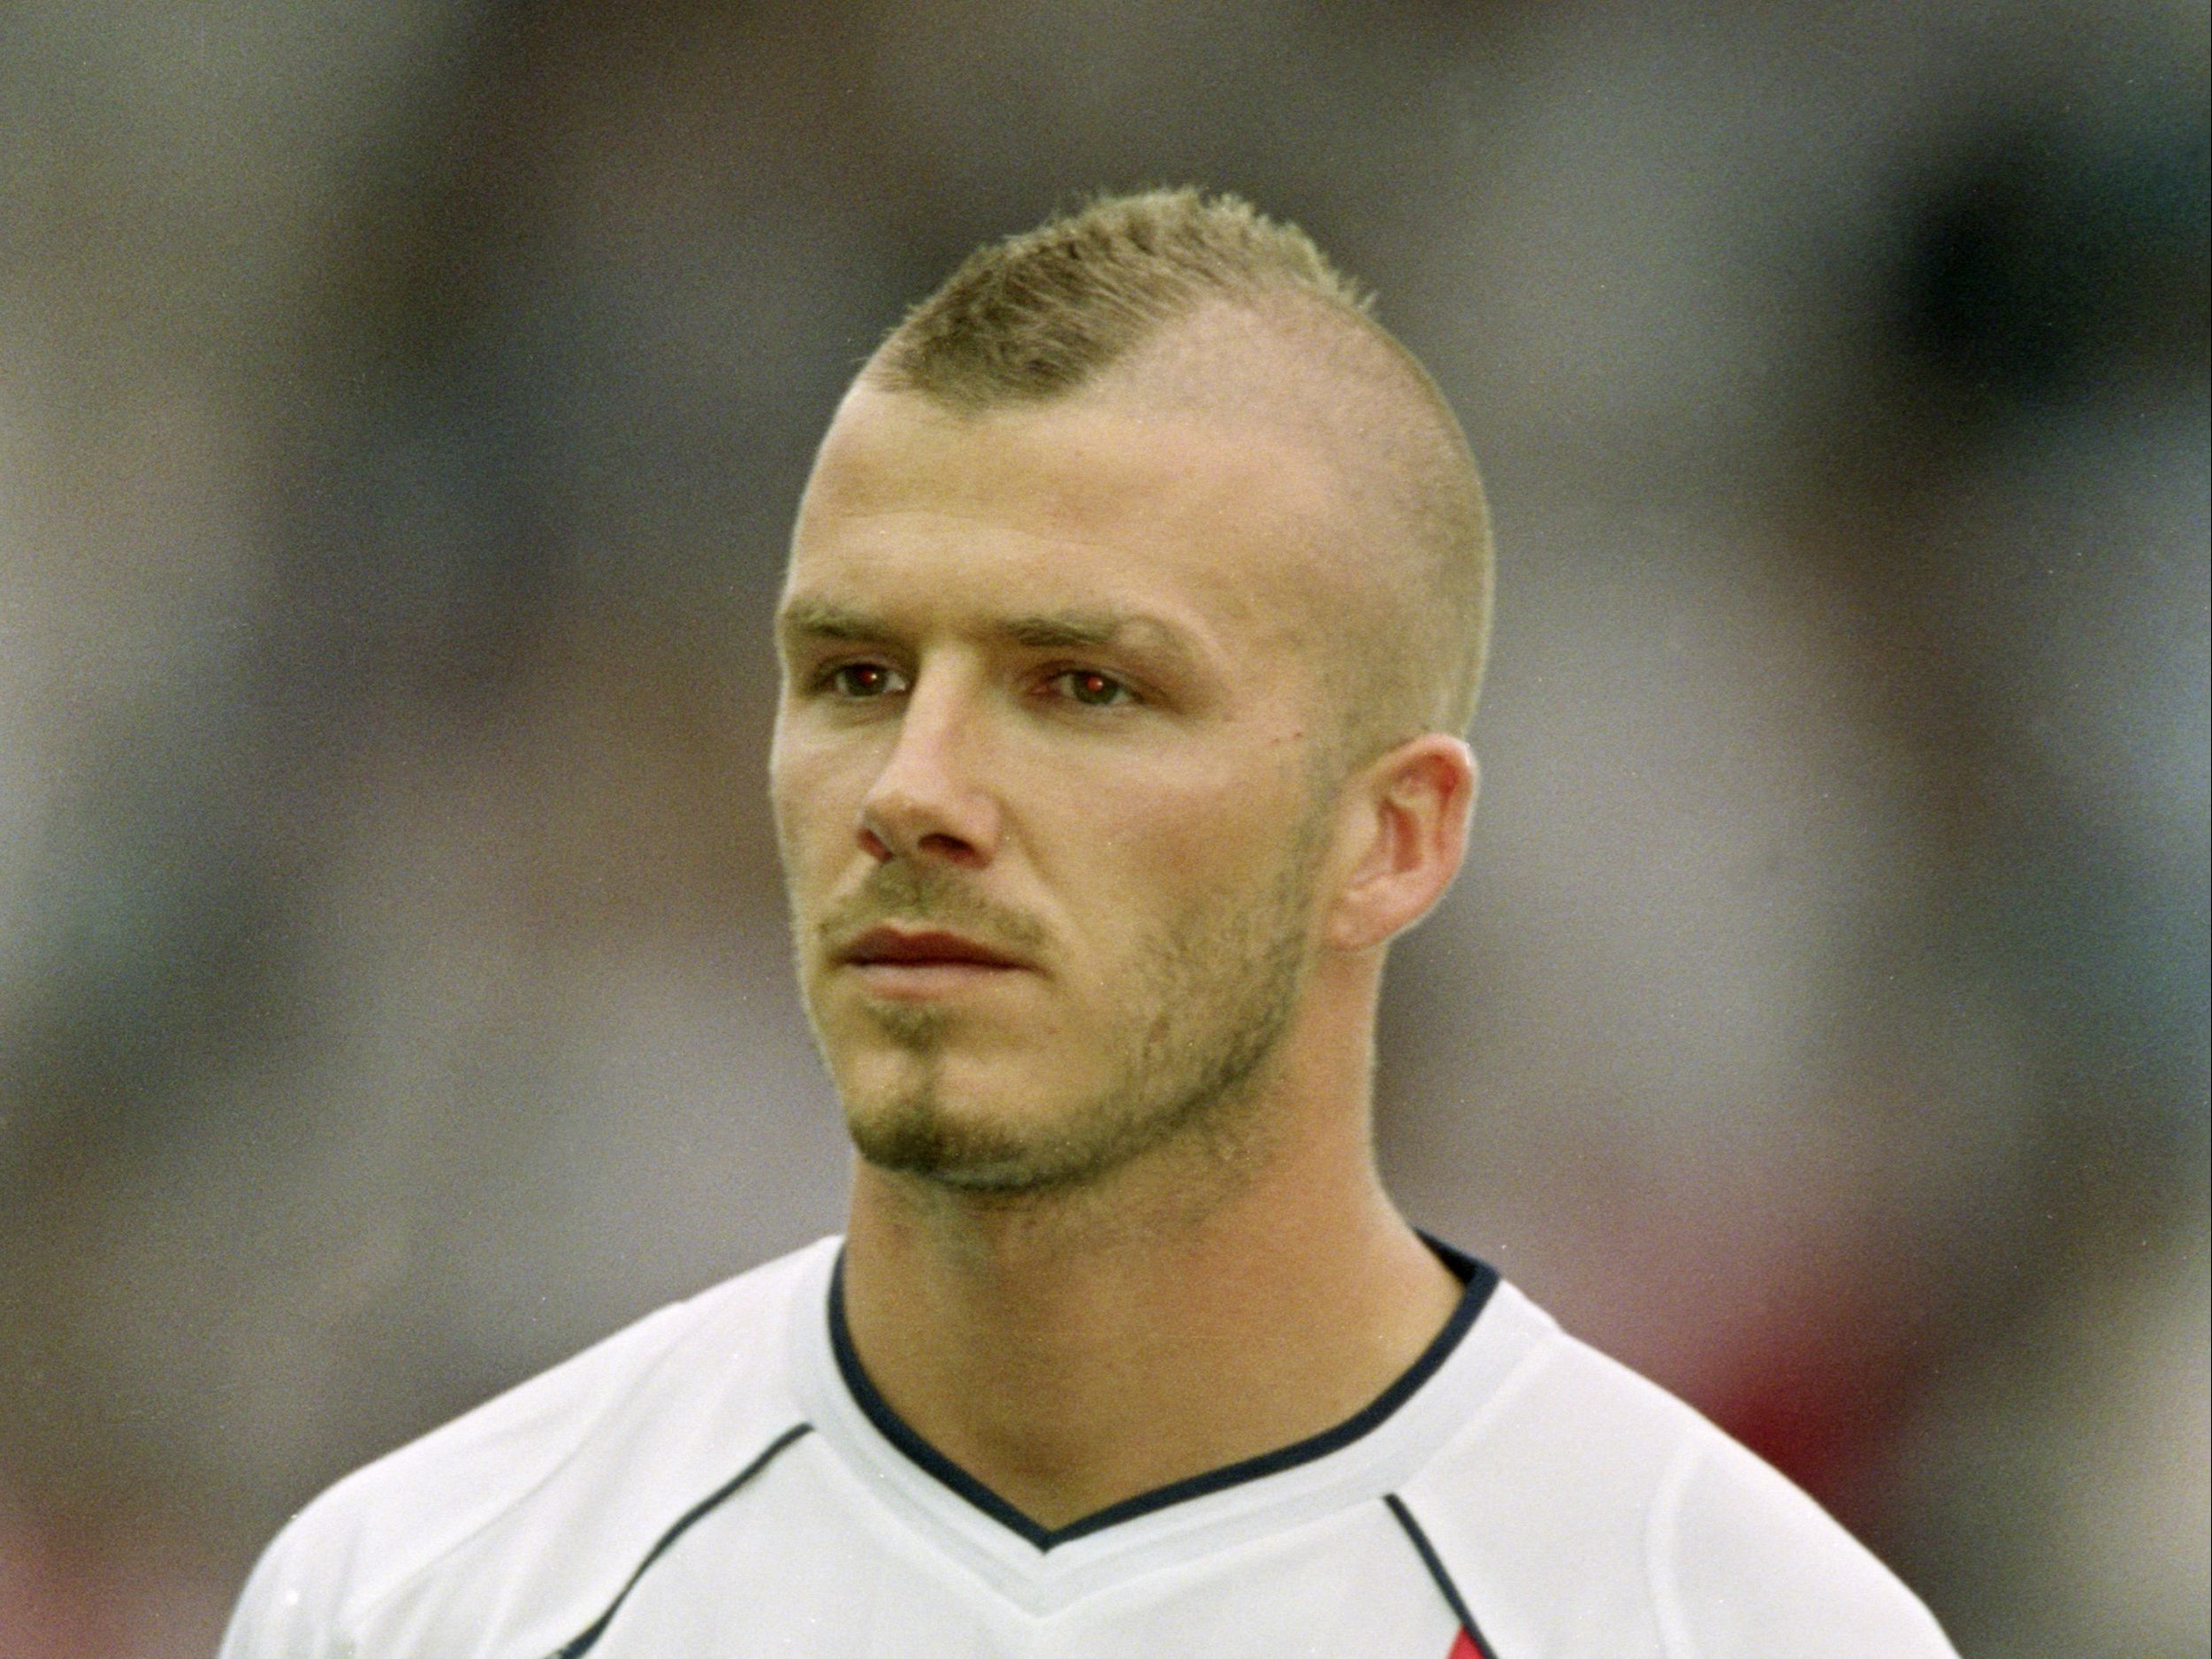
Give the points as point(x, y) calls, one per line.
point(1405, 828)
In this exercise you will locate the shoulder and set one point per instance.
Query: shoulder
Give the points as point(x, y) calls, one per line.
point(1586, 1505)
point(1740, 1562)
point(700, 1379)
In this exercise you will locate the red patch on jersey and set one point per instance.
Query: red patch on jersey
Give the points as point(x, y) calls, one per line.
point(1465, 1649)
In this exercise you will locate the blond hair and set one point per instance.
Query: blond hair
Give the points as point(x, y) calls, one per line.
point(1043, 314)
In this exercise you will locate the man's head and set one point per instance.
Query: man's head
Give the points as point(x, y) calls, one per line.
point(1138, 589)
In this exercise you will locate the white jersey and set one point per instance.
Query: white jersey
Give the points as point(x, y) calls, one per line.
point(720, 1480)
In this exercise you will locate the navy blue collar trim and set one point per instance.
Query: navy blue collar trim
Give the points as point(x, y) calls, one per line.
point(1479, 1279)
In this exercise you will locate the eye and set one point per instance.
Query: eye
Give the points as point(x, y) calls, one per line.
point(1092, 689)
point(857, 682)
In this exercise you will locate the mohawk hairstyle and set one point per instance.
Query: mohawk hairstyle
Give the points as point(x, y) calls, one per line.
point(1040, 315)
point(1034, 317)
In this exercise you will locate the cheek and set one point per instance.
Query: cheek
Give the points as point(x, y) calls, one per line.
point(1161, 853)
point(807, 798)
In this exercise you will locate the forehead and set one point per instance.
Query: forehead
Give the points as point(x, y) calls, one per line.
point(1084, 502)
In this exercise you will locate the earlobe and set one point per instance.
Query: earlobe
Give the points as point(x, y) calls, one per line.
point(1413, 808)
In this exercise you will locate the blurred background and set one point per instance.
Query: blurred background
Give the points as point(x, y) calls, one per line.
point(402, 410)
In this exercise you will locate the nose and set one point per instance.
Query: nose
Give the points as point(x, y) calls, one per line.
point(928, 803)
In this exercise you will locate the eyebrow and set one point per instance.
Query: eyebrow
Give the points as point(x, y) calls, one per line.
point(815, 619)
point(818, 619)
point(1087, 628)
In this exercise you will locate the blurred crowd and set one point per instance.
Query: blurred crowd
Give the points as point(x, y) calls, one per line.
point(401, 411)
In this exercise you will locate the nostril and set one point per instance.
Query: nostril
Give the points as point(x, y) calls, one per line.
point(951, 848)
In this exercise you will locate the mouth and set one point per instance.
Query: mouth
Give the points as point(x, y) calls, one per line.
point(912, 964)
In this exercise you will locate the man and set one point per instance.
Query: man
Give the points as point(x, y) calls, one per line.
point(1136, 602)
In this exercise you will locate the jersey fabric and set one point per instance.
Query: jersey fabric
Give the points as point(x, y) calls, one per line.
point(720, 1482)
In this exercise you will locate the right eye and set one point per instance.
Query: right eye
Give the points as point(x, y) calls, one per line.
point(858, 682)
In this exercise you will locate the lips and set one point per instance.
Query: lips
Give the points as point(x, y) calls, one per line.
point(886, 947)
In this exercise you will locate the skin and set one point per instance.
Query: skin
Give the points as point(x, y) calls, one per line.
point(1055, 684)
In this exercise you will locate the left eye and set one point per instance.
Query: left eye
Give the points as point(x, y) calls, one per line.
point(857, 682)
point(1092, 689)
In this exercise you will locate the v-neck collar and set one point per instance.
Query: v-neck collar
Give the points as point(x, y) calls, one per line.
point(1479, 1280)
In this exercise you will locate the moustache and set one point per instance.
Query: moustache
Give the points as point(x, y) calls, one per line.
point(929, 897)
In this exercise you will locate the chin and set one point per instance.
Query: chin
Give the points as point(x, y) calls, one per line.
point(969, 1141)
point(955, 1149)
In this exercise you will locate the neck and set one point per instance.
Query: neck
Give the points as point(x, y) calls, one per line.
point(1203, 1304)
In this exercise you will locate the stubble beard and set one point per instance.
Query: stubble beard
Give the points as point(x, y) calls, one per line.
point(1210, 997)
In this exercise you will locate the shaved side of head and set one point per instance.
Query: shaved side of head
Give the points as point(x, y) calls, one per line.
point(1183, 304)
